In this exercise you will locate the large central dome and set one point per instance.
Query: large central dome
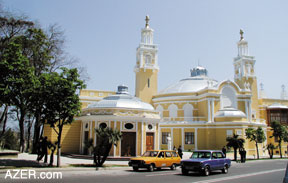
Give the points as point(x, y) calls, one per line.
point(196, 82)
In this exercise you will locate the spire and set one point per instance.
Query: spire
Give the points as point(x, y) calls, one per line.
point(262, 92)
point(147, 21)
point(283, 93)
point(241, 35)
point(242, 45)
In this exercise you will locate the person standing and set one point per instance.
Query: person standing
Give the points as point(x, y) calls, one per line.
point(244, 155)
point(180, 151)
point(224, 151)
point(241, 155)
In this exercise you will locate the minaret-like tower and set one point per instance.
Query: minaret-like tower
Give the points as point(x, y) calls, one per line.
point(245, 74)
point(146, 68)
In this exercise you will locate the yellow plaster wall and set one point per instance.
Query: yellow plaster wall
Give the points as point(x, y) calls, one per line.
point(142, 91)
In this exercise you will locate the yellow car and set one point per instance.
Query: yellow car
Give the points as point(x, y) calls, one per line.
point(156, 159)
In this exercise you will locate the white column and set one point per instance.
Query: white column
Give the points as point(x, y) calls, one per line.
point(120, 140)
point(209, 111)
point(212, 106)
point(183, 136)
point(81, 139)
point(246, 110)
point(159, 136)
point(142, 136)
point(172, 138)
point(90, 126)
point(136, 152)
point(195, 139)
point(250, 111)
point(115, 126)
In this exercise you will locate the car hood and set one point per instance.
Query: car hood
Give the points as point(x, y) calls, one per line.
point(143, 158)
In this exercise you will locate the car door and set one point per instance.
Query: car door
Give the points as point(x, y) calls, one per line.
point(221, 160)
point(168, 158)
point(214, 161)
point(160, 162)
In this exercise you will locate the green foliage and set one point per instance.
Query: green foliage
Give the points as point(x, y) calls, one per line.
point(256, 135)
point(235, 142)
point(106, 137)
point(9, 140)
point(280, 133)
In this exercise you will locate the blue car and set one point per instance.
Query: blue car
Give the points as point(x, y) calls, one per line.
point(205, 161)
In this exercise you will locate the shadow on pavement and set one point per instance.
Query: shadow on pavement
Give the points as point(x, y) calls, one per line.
point(21, 163)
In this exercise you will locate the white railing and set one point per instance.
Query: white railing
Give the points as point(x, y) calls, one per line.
point(188, 119)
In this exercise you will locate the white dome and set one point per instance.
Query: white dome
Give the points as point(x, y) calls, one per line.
point(122, 99)
point(229, 112)
point(191, 84)
point(277, 106)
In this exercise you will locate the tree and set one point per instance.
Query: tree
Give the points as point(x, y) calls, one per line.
point(106, 137)
point(16, 83)
point(236, 143)
point(62, 102)
point(270, 147)
point(256, 135)
point(279, 132)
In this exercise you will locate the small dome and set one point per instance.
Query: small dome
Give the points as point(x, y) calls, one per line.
point(122, 99)
point(198, 71)
point(229, 112)
point(198, 81)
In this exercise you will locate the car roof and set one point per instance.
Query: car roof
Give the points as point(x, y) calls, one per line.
point(207, 151)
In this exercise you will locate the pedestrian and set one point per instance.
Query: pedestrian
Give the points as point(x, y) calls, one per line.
point(224, 151)
point(244, 155)
point(43, 152)
point(180, 152)
point(175, 149)
point(241, 155)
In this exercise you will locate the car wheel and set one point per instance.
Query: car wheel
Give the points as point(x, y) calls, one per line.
point(184, 171)
point(151, 168)
point(173, 167)
point(135, 168)
point(206, 171)
point(225, 169)
point(158, 169)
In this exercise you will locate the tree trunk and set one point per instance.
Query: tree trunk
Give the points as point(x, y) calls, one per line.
point(280, 148)
point(235, 154)
point(106, 154)
point(59, 145)
point(21, 126)
point(257, 150)
point(36, 134)
point(3, 119)
point(29, 135)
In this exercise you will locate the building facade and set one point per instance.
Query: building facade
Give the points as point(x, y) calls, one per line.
point(197, 112)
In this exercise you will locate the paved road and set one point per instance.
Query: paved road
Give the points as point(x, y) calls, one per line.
point(266, 171)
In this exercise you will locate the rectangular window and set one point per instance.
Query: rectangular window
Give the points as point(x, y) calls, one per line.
point(148, 83)
point(164, 137)
point(189, 137)
point(239, 132)
point(101, 94)
point(229, 133)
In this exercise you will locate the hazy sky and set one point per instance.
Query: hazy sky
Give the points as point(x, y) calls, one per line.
point(104, 36)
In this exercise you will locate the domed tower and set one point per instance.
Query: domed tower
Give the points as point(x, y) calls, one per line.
point(245, 75)
point(146, 68)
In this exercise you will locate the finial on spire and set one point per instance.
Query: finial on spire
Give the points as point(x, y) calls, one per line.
point(241, 34)
point(147, 21)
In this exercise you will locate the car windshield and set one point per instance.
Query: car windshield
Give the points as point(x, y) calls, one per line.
point(150, 154)
point(201, 155)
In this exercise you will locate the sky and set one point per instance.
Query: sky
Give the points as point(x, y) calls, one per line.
point(104, 36)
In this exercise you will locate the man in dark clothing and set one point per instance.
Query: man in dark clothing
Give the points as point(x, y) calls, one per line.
point(244, 155)
point(180, 152)
point(241, 155)
point(43, 152)
point(224, 151)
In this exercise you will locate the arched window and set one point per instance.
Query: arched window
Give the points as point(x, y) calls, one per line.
point(148, 59)
point(173, 109)
point(228, 97)
point(159, 109)
point(188, 112)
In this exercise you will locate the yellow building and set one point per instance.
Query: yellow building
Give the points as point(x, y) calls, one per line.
point(198, 112)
